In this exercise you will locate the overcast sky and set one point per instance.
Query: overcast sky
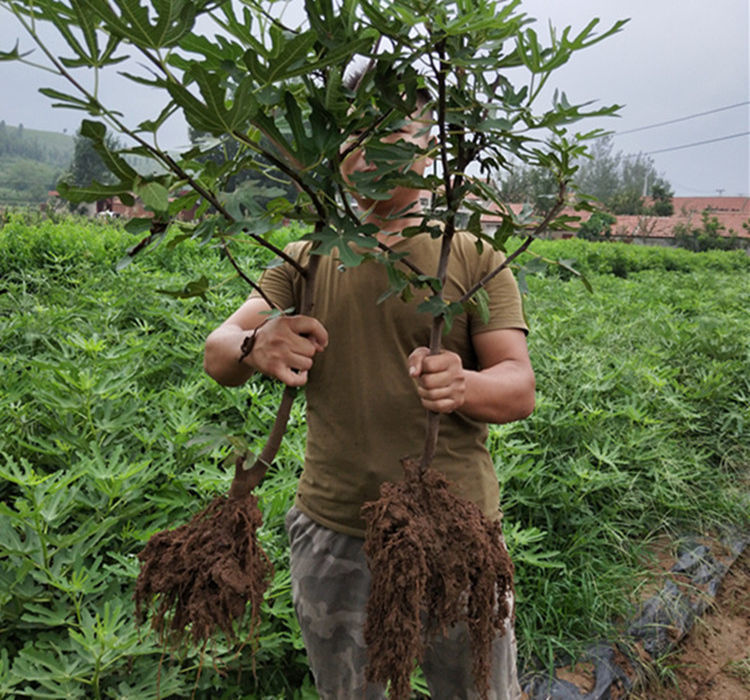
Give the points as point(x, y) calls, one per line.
point(674, 59)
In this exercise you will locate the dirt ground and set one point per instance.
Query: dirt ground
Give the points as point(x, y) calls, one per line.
point(713, 661)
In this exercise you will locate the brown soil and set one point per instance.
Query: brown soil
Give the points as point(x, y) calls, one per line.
point(200, 577)
point(582, 676)
point(713, 661)
point(436, 560)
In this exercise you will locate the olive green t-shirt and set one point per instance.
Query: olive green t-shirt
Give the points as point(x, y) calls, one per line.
point(363, 411)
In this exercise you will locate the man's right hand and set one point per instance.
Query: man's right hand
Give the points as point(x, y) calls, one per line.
point(285, 346)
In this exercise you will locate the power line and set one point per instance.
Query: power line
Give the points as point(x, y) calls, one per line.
point(683, 119)
point(703, 191)
point(697, 143)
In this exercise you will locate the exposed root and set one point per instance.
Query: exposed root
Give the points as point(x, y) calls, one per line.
point(200, 577)
point(436, 560)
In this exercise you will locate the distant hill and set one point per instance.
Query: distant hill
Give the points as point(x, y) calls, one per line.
point(45, 146)
point(31, 161)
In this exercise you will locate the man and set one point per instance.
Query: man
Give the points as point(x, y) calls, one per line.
point(369, 378)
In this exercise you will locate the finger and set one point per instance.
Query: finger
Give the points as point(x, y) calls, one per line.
point(298, 347)
point(291, 377)
point(435, 393)
point(416, 360)
point(313, 329)
point(442, 362)
point(435, 380)
point(301, 362)
point(430, 381)
point(441, 406)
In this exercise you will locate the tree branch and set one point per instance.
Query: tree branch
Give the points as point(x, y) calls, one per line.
point(383, 246)
point(433, 418)
point(241, 273)
point(245, 480)
point(159, 155)
point(559, 204)
point(286, 169)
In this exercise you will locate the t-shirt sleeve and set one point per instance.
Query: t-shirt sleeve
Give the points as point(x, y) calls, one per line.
point(504, 299)
point(279, 283)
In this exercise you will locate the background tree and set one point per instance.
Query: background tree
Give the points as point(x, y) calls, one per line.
point(16, 142)
point(29, 165)
point(620, 182)
point(599, 174)
point(529, 184)
point(87, 165)
point(661, 197)
point(705, 236)
point(598, 227)
point(261, 181)
point(30, 179)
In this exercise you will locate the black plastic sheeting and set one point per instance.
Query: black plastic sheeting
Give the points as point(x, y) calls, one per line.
point(658, 627)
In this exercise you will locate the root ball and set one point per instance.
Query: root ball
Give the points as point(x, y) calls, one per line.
point(436, 561)
point(200, 577)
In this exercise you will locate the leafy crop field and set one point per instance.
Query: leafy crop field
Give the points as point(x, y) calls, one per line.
point(111, 431)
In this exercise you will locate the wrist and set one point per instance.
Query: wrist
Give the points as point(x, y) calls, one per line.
point(467, 394)
point(248, 343)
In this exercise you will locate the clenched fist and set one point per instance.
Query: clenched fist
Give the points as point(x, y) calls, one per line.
point(440, 379)
point(285, 346)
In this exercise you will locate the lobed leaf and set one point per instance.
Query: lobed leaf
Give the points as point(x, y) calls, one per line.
point(13, 54)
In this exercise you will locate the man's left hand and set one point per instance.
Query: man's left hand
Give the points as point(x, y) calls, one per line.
point(440, 379)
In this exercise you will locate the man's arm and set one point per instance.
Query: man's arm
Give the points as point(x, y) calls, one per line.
point(501, 392)
point(284, 346)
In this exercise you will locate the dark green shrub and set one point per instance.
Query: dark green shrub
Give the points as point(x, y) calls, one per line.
point(622, 259)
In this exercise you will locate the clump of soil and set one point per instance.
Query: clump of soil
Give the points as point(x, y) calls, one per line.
point(200, 577)
point(436, 560)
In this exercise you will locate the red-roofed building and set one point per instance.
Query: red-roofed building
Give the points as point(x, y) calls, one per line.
point(113, 206)
point(731, 212)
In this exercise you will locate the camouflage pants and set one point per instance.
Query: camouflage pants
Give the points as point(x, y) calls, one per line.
point(330, 587)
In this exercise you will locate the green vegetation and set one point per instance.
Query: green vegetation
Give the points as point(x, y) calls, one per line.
point(707, 235)
point(111, 431)
point(24, 181)
point(618, 181)
point(45, 146)
point(87, 165)
point(277, 93)
point(741, 669)
point(598, 227)
point(108, 435)
point(623, 259)
point(641, 427)
point(30, 163)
